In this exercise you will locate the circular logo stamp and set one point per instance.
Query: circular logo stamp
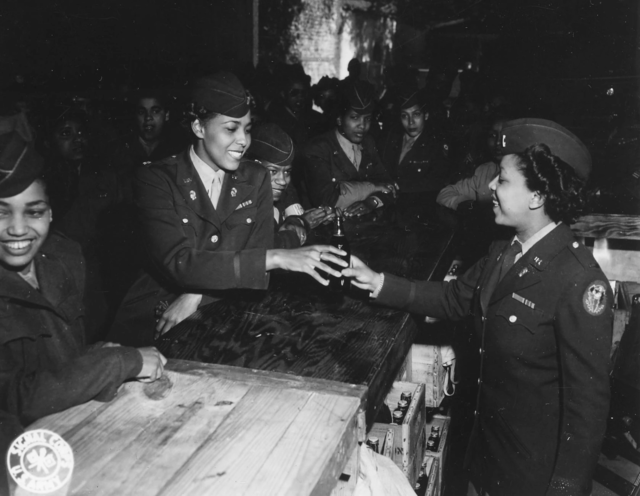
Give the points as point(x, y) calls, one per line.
point(40, 461)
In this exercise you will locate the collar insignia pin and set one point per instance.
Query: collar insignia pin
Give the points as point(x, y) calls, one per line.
point(192, 195)
point(187, 180)
point(234, 192)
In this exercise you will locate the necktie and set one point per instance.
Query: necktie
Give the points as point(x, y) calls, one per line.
point(355, 156)
point(509, 257)
point(216, 187)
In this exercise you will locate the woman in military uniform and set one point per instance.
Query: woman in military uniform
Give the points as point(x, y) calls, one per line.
point(274, 150)
point(542, 311)
point(341, 167)
point(206, 220)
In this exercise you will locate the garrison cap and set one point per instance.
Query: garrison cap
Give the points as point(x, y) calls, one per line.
point(20, 165)
point(519, 134)
point(360, 96)
point(221, 93)
point(409, 96)
point(271, 144)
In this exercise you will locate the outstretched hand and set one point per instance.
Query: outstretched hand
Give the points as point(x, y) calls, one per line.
point(361, 275)
point(183, 306)
point(316, 216)
point(152, 364)
point(307, 259)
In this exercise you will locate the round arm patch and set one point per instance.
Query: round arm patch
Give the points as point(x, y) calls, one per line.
point(594, 298)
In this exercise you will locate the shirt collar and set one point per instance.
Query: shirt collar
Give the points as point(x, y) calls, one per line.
point(206, 173)
point(346, 144)
point(528, 244)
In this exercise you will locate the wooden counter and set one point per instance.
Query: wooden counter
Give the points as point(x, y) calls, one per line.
point(298, 327)
point(214, 430)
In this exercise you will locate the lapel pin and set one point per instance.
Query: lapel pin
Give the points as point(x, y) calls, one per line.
point(523, 272)
point(234, 192)
point(192, 195)
point(187, 180)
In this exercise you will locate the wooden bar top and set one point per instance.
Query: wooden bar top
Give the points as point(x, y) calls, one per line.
point(299, 327)
point(212, 429)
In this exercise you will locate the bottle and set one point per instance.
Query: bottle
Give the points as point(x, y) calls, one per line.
point(404, 406)
point(434, 439)
point(374, 443)
point(406, 396)
point(340, 241)
point(398, 416)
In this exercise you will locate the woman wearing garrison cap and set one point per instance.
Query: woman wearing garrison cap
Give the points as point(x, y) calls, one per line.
point(206, 219)
point(341, 167)
point(413, 156)
point(274, 149)
point(543, 314)
point(45, 366)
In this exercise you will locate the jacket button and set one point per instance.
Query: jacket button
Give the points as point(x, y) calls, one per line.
point(419, 170)
point(333, 179)
point(479, 381)
point(481, 351)
point(575, 244)
point(513, 318)
point(185, 221)
point(249, 221)
point(214, 238)
point(476, 413)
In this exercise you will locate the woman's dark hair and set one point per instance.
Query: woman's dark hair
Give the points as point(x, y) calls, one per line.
point(565, 195)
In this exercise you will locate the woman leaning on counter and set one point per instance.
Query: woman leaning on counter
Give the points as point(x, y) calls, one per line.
point(206, 219)
point(544, 323)
point(45, 366)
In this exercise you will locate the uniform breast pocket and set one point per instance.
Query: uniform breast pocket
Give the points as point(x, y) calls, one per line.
point(518, 315)
point(242, 218)
point(187, 221)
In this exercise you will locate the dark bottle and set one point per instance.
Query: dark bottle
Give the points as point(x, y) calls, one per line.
point(340, 241)
point(435, 438)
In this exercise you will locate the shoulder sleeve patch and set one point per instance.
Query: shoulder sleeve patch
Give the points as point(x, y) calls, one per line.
point(594, 299)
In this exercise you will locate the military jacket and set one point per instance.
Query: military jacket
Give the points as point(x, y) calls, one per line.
point(191, 246)
point(545, 335)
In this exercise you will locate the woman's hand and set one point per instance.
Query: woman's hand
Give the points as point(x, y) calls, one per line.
point(152, 364)
point(391, 188)
point(362, 276)
point(307, 259)
point(317, 216)
point(180, 309)
point(360, 208)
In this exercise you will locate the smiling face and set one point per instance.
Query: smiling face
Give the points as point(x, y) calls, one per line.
point(354, 126)
point(70, 140)
point(150, 118)
point(413, 120)
point(24, 225)
point(280, 178)
point(514, 204)
point(222, 140)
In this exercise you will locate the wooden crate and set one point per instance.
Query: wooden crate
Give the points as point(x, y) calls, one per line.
point(443, 448)
point(434, 483)
point(214, 429)
point(423, 364)
point(405, 443)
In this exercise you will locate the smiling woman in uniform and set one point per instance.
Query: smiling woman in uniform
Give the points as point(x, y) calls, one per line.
point(206, 219)
point(542, 311)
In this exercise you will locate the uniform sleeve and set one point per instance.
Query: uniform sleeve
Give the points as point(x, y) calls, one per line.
point(173, 254)
point(445, 300)
point(321, 187)
point(96, 375)
point(583, 331)
point(466, 189)
point(379, 174)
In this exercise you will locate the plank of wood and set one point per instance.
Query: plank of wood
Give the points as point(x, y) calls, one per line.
point(608, 226)
point(240, 446)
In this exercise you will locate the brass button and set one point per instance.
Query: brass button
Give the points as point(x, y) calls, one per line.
point(249, 221)
point(214, 238)
point(185, 221)
point(513, 318)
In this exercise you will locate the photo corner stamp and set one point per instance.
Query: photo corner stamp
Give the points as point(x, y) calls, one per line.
point(40, 462)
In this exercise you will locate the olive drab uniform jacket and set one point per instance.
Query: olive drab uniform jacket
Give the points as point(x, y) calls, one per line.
point(45, 366)
point(191, 246)
point(423, 168)
point(545, 336)
point(326, 167)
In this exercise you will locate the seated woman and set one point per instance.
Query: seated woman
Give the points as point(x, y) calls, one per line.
point(206, 220)
point(341, 167)
point(273, 148)
point(543, 312)
point(413, 155)
point(45, 366)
